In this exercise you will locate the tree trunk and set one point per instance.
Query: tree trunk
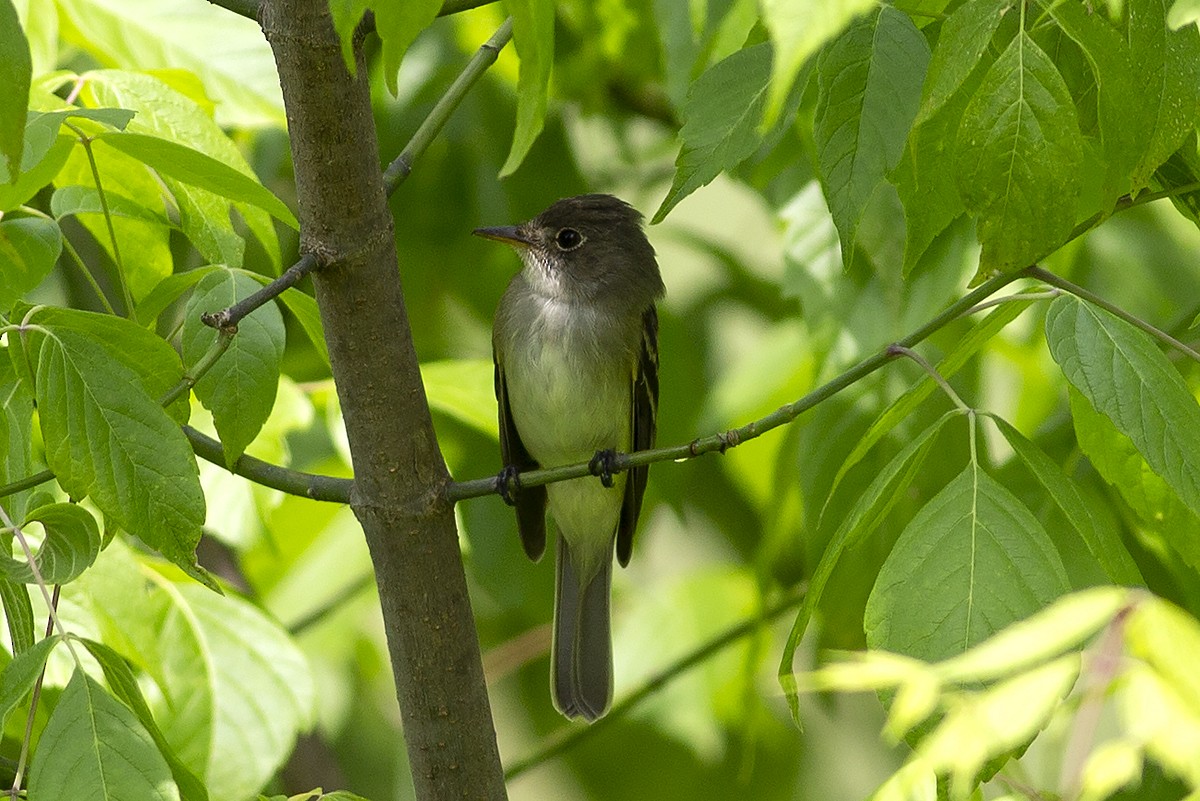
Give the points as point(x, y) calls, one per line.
point(399, 471)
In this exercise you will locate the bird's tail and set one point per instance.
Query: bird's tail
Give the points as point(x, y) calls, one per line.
point(581, 671)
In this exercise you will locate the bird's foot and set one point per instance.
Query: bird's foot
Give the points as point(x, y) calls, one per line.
point(508, 483)
point(603, 464)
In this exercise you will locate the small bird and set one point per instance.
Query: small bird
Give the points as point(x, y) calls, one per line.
point(575, 345)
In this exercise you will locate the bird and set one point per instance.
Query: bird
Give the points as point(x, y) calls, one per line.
point(575, 348)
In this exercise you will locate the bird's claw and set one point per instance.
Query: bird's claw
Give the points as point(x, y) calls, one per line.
point(603, 465)
point(508, 483)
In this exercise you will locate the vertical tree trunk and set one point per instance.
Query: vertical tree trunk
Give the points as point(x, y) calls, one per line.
point(399, 471)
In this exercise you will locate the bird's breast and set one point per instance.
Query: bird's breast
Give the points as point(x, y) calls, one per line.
point(568, 377)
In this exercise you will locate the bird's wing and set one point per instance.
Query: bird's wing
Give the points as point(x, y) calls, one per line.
point(530, 502)
point(645, 426)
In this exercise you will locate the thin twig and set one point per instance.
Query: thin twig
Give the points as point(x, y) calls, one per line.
point(347, 593)
point(396, 173)
point(230, 317)
point(215, 351)
point(293, 482)
point(571, 736)
point(87, 275)
point(86, 141)
point(1049, 294)
point(29, 482)
point(1096, 300)
point(401, 166)
point(909, 353)
point(461, 490)
point(34, 698)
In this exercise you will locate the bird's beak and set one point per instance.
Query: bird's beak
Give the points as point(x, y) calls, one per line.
point(509, 234)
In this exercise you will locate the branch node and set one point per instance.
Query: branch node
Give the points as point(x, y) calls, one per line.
point(730, 439)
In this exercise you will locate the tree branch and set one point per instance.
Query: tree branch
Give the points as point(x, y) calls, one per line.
point(293, 482)
point(399, 471)
point(570, 736)
point(1091, 297)
point(250, 8)
point(461, 490)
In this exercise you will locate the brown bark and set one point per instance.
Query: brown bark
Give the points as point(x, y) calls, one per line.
point(399, 472)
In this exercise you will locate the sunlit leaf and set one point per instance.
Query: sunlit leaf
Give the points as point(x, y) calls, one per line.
point(227, 52)
point(108, 440)
point(798, 30)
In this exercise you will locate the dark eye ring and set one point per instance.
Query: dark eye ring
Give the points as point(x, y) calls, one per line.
point(568, 239)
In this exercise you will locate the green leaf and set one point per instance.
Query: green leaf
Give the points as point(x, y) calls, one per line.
point(869, 85)
point(22, 673)
point(107, 440)
point(462, 389)
point(148, 355)
point(44, 154)
point(94, 747)
point(16, 426)
point(125, 687)
point(15, 72)
point(68, 200)
point(1118, 461)
point(204, 217)
point(169, 290)
point(18, 614)
point(144, 246)
point(194, 168)
point(240, 388)
point(227, 52)
point(70, 546)
point(248, 687)
point(397, 25)
point(868, 512)
point(1103, 542)
point(1167, 85)
point(925, 184)
point(1128, 379)
point(304, 308)
point(165, 112)
point(720, 122)
point(1123, 131)
point(1019, 153)
point(29, 248)
point(961, 45)
point(533, 37)
point(799, 28)
point(971, 562)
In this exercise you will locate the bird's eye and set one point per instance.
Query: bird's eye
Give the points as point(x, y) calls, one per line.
point(568, 239)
